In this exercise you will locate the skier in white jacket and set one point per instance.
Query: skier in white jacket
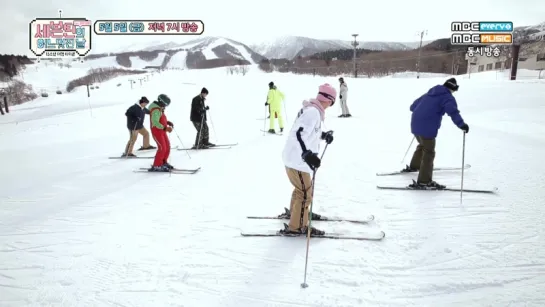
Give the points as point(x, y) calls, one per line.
point(343, 95)
point(301, 159)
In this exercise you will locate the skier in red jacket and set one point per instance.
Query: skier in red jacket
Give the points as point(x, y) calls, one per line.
point(159, 128)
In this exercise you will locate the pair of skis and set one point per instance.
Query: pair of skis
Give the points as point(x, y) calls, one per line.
point(130, 158)
point(412, 188)
point(372, 236)
point(138, 157)
point(467, 166)
point(218, 146)
point(172, 171)
point(275, 133)
point(183, 171)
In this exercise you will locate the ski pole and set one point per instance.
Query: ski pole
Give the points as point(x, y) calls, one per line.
point(408, 148)
point(286, 111)
point(180, 139)
point(265, 120)
point(463, 163)
point(212, 123)
point(199, 134)
point(304, 284)
point(90, 107)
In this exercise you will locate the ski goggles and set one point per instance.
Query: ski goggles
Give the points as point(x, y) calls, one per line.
point(327, 96)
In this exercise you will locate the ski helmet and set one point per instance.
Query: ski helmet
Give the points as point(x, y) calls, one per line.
point(163, 100)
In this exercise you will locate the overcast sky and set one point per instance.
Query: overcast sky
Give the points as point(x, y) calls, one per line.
point(256, 21)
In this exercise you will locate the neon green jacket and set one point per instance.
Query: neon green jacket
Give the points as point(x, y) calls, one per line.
point(156, 115)
point(275, 98)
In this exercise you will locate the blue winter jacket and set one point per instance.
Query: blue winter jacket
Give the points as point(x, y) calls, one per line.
point(429, 109)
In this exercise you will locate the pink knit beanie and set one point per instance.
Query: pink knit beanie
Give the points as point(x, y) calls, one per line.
point(327, 92)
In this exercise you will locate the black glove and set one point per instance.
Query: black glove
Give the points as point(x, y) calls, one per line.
point(266, 103)
point(170, 124)
point(207, 108)
point(311, 159)
point(340, 96)
point(465, 128)
point(328, 136)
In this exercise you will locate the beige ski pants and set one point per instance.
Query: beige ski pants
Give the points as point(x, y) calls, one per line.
point(301, 198)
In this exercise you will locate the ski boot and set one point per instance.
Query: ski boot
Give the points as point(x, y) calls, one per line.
point(281, 130)
point(271, 131)
point(161, 168)
point(147, 148)
point(287, 215)
point(302, 231)
point(167, 165)
point(128, 155)
point(209, 144)
point(201, 146)
point(341, 116)
point(348, 115)
point(432, 185)
point(408, 169)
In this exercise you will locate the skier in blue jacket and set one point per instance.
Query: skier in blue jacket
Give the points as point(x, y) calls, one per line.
point(427, 114)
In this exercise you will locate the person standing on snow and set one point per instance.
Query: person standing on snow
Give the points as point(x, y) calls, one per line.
point(198, 118)
point(135, 123)
point(427, 114)
point(342, 96)
point(159, 128)
point(274, 101)
point(301, 159)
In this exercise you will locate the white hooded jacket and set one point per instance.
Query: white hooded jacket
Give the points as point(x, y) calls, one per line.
point(344, 91)
point(307, 125)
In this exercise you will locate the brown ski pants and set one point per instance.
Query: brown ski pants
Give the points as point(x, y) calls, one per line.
point(133, 135)
point(423, 159)
point(301, 198)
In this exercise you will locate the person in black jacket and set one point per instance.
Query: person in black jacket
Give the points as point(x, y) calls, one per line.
point(198, 118)
point(135, 123)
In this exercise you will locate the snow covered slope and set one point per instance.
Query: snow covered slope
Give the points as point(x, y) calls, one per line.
point(78, 229)
point(178, 60)
point(49, 76)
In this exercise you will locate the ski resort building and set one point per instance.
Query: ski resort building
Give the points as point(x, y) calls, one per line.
point(532, 57)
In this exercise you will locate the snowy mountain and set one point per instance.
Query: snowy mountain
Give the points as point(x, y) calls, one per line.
point(204, 52)
point(535, 28)
point(204, 48)
point(529, 32)
point(289, 47)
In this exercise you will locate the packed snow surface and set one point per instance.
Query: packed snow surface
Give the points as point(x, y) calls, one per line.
point(78, 229)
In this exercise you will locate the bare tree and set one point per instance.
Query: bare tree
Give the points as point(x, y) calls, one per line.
point(19, 92)
point(231, 70)
point(99, 75)
point(503, 55)
point(244, 69)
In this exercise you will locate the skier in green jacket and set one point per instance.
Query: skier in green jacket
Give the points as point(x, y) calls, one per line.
point(274, 101)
